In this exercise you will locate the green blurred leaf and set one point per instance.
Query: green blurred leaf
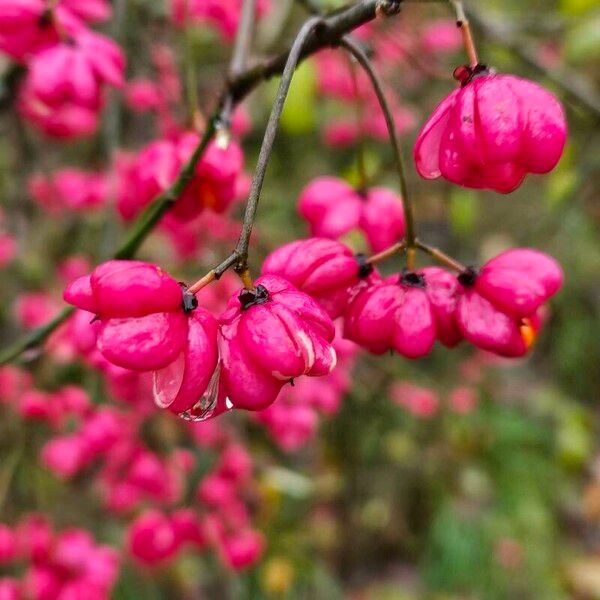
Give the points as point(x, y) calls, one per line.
point(463, 211)
point(299, 114)
point(575, 443)
point(577, 7)
point(582, 42)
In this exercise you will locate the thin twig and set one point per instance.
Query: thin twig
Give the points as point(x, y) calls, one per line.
point(574, 86)
point(191, 82)
point(239, 57)
point(363, 60)
point(267, 144)
point(333, 28)
point(202, 282)
point(465, 29)
point(243, 40)
point(387, 253)
point(441, 257)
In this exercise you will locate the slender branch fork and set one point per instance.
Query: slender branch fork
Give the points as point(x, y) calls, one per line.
point(240, 83)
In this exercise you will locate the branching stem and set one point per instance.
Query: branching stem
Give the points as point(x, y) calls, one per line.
point(241, 82)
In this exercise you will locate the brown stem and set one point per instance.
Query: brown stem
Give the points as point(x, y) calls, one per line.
point(267, 144)
point(465, 29)
point(202, 282)
point(441, 257)
point(246, 279)
point(364, 61)
point(387, 253)
point(239, 58)
point(333, 28)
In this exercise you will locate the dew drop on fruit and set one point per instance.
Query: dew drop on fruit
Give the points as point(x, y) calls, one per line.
point(211, 403)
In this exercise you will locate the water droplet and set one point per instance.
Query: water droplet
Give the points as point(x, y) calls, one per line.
point(210, 404)
point(166, 382)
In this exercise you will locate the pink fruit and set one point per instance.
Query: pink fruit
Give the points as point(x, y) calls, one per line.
point(491, 132)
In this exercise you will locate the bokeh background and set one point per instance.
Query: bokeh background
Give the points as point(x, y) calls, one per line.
point(486, 487)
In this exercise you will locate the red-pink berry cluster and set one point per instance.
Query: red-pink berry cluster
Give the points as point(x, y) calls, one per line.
point(55, 564)
point(145, 488)
point(68, 65)
point(215, 185)
point(146, 321)
point(333, 208)
point(69, 190)
point(498, 308)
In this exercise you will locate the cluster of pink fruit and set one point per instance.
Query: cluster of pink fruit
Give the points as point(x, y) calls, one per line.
point(106, 444)
point(156, 536)
point(218, 178)
point(68, 564)
point(281, 328)
point(68, 64)
point(137, 178)
point(146, 321)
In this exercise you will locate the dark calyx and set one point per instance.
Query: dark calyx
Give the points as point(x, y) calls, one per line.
point(465, 74)
point(249, 298)
point(468, 276)
point(412, 279)
point(365, 268)
point(46, 18)
point(189, 302)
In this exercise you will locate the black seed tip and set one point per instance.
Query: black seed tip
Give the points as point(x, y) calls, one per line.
point(412, 279)
point(189, 302)
point(468, 277)
point(465, 74)
point(364, 268)
point(249, 298)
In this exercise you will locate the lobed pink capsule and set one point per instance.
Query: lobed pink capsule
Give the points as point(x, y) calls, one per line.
point(142, 324)
point(270, 336)
point(324, 269)
point(491, 132)
point(499, 307)
point(334, 208)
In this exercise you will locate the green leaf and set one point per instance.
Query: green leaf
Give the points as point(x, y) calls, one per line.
point(577, 7)
point(582, 42)
point(299, 114)
point(463, 211)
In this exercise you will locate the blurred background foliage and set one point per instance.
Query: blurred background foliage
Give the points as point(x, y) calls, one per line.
point(502, 502)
